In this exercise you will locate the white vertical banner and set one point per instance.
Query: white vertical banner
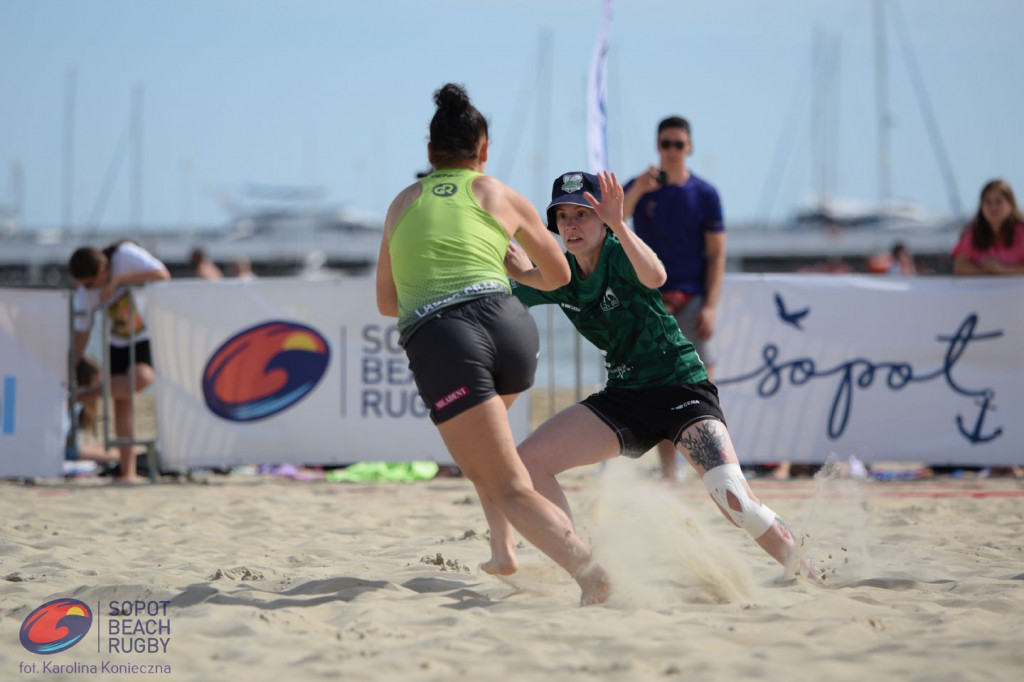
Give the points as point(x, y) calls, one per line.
point(917, 369)
point(597, 96)
point(273, 371)
point(34, 338)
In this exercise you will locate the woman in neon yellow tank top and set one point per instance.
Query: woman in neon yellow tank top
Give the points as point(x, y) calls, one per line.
point(472, 347)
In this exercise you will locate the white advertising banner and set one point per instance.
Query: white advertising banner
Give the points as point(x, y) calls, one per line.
point(926, 369)
point(34, 338)
point(272, 371)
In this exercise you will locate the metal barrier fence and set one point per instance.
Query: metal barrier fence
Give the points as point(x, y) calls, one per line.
point(131, 441)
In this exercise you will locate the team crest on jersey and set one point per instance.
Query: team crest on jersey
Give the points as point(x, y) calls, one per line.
point(609, 300)
point(572, 182)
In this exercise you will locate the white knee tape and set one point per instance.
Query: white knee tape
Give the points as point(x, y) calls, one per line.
point(753, 517)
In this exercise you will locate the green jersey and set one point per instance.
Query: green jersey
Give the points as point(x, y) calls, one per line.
point(445, 249)
point(641, 343)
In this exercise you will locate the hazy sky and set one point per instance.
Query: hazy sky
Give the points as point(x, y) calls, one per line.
point(338, 94)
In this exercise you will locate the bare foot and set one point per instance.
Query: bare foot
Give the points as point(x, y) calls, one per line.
point(503, 566)
point(781, 472)
point(596, 586)
point(127, 480)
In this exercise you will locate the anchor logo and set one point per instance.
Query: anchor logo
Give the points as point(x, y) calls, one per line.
point(976, 436)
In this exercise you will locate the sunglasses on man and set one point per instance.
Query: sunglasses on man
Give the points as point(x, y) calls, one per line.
point(669, 144)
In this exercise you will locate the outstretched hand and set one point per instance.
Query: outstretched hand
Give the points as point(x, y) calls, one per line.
point(609, 209)
point(516, 261)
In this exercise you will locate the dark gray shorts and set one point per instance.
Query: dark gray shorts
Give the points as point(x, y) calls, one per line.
point(706, 349)
point(470, 352)
point(641, 419)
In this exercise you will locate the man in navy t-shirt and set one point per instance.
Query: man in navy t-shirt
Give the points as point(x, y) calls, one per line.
point(679, 216)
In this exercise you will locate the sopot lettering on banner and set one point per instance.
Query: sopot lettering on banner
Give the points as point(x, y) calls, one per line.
point(861, 373)
point(388, 390)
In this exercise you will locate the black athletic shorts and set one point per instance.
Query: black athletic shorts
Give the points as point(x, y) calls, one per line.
point(119, 357)
point(470, 352)
point(640, 419)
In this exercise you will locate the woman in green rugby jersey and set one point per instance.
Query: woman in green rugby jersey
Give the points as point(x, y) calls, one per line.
point(657, 386)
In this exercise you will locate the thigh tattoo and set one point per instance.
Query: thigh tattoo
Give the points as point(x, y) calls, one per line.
point(705, 444)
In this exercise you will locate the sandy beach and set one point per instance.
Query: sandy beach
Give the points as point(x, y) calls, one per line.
point(267, 578)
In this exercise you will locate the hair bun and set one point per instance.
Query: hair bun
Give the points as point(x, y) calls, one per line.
point(452, 97)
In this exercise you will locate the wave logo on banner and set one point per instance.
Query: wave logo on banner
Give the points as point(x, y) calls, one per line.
point(776, 371)
point(56, 626)
point(263, 370)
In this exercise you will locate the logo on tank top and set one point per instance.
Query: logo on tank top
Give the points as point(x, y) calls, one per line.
point(609, 300)
point(445, 189)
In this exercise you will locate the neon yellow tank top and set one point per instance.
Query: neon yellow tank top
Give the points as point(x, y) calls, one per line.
point(445, 249)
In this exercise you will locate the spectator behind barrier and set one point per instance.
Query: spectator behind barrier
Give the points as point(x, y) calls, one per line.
point(102, 278)
point(679, 215)
point(993, 242)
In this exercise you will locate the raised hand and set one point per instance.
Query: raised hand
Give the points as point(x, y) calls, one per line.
point(609, 209)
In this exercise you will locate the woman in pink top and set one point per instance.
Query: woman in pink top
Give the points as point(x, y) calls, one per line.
point(992, 243)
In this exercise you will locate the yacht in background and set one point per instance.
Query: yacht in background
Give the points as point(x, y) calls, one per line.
point(280, 231)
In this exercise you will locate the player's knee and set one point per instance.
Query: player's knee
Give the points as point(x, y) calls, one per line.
point(539, 462)
point(144, 376)
point(727, 486)
point(499, 490)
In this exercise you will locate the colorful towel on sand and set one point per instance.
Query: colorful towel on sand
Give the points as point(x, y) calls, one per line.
point(384, 471)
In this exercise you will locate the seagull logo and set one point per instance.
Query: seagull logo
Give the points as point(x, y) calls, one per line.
point(792, 318)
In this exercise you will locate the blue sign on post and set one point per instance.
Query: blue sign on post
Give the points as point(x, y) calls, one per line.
point(7, 406)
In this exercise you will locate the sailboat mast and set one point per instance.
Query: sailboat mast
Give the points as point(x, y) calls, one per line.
point(136, 145)
point(882, 102)
point(825, 120)
point(68, 170)
point(931, 125)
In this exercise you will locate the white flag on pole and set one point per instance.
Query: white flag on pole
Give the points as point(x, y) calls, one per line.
point(597, 97)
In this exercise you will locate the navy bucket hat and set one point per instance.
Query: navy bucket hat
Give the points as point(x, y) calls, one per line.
point(568, 188)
